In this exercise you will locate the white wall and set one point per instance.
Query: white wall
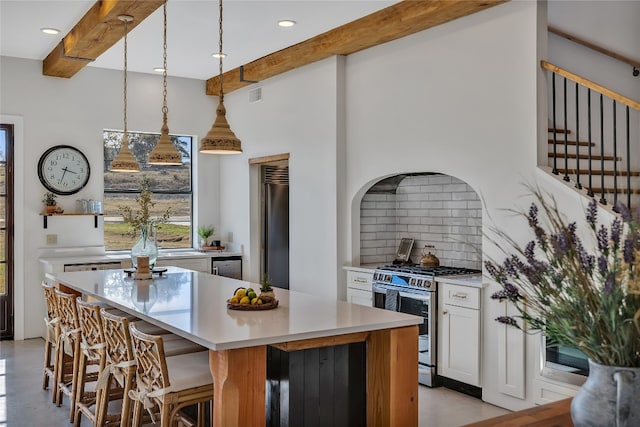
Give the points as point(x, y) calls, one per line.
point(609, 24)
point(459, 99)
point(297, 115)
point(75, 111)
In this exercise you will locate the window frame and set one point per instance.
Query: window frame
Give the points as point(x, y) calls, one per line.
point(190, 192)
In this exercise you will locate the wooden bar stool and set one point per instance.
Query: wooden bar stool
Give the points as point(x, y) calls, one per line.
point(120, 367)
point(66, 366)
point(52, 333)
point(168, 382)
point(92, 352)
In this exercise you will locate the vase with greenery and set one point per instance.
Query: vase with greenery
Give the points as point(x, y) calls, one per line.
point(205, 231)
point(578, 297)
point(49, 201)
point(141, 223)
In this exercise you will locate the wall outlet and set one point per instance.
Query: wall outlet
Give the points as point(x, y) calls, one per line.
point(230, 237)
point(52, 239)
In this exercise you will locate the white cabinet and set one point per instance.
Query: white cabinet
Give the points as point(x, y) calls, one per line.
point(459, 333)
point(196, 264)
point(359, 287)
point(547, 391)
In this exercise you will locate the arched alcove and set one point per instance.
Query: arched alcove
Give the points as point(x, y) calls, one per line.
point(431, 208)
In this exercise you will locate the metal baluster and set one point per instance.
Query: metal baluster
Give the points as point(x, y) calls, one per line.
point(555, 139)
point(615, 159)
point(566, 151)
point(603, 199)
point(590, 191)
point(628, 163)
point(578, 185)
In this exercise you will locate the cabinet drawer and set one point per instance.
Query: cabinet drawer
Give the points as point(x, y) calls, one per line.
point(196, 264)
point(359, 280)
point(461, 296)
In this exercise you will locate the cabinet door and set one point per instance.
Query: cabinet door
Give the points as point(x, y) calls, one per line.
point(357, 296)
point(459, 344)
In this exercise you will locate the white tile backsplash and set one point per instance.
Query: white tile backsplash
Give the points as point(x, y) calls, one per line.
point(437, 210)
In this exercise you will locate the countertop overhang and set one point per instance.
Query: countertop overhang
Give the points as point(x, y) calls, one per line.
point(194, 305)
point(74, 258)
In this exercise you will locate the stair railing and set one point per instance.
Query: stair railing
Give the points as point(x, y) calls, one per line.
point(608, 141)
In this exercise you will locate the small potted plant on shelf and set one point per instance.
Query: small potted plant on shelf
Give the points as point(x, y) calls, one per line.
point(265, 288)
point(49, 202)
point(205, 231)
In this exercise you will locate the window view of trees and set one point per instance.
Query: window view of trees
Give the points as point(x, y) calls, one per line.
point(171, 187)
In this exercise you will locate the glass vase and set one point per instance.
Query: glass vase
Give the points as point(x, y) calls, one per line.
point(145, 246)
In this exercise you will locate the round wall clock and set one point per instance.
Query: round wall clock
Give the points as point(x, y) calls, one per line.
point(63, 169)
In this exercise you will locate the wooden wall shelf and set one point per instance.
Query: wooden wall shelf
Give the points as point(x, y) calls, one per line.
point(46, 215)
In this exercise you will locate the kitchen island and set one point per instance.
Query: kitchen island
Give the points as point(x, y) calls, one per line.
point(193, 305)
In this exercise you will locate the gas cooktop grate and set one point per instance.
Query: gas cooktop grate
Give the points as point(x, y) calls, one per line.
point(427, 271)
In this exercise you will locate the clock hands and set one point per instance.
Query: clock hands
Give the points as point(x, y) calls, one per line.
point(66, 169)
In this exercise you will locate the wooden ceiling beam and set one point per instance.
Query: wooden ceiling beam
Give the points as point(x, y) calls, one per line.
point(396, 21)
point(97, 31)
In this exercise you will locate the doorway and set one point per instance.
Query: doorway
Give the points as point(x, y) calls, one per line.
point(6, 232)
point(274, 244)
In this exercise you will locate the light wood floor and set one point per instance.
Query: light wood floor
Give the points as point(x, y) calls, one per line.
point(24, 403)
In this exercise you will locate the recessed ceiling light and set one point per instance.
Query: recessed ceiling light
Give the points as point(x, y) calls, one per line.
point(217, 55)
point(53, 31)
point(159, 70)
point(286, 23)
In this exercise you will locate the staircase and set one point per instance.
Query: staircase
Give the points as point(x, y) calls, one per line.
point(594, 139)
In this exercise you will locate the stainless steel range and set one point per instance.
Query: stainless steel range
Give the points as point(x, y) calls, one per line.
point(412, 289)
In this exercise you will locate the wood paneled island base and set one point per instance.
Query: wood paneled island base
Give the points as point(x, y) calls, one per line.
point(239, 378)
point(555, 414)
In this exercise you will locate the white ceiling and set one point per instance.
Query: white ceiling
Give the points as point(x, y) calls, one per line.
point(250, 31)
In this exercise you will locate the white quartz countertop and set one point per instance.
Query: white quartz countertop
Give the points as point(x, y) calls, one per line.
point(163, 255)
point(471, 280)
point(193, 305)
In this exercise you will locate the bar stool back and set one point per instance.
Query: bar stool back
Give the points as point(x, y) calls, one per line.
point(68, 348)
point(51, 337)
point(120, 364)
point(170, 383)
point(92, 352)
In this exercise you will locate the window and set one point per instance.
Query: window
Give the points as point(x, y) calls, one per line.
point(171, 187)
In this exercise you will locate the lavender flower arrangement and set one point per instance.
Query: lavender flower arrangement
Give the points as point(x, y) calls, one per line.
point(587, 300)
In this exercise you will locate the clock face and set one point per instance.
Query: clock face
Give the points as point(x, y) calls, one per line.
point(63, 169)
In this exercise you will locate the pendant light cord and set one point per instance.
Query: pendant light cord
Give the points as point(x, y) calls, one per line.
point(165, 109)
point(125, 78)
point(220, 51)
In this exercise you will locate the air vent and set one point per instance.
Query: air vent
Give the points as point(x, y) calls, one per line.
point(255, 95)
point(276, 175)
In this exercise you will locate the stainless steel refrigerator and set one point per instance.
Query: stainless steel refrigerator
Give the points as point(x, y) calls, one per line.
point(275, 239)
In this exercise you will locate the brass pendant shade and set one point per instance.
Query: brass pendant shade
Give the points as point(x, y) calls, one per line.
point(165, 153)
point(220, 139)
point(124, 161)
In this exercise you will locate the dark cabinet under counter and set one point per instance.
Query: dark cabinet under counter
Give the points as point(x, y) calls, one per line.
point(227, 266)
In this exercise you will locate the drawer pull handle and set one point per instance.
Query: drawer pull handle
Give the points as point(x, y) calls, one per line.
point(459, 296)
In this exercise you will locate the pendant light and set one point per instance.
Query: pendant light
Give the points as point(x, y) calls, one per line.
point(165, 153)
point(220, 139)
point(124, 161)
